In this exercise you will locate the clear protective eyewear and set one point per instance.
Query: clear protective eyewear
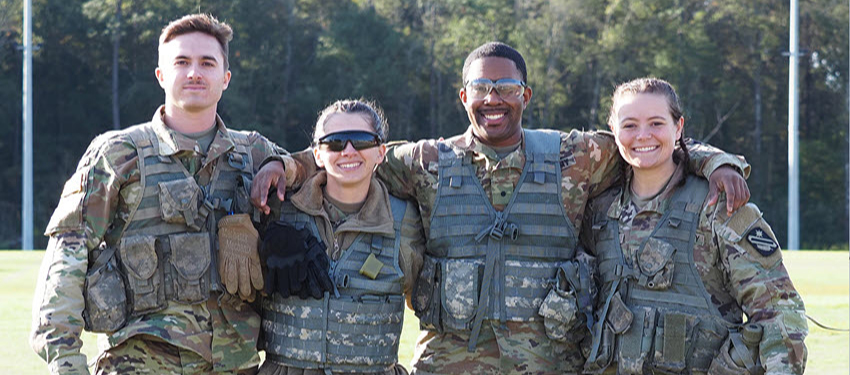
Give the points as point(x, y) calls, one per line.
point(505, 87)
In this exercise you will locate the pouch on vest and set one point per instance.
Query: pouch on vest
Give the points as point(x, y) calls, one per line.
point(655, 261)
point(144, 278)
point(190, 256)
point(559, 308)
point(722, 364)
point(606, 349)
point(179, 200)
point(673, 339)
point(619, 316)
point(426, 295)
point(105, 297)
point(460, 293)
point(636, 343)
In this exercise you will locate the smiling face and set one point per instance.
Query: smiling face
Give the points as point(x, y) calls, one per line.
point(645, 131)
point(349, 168)
point(496, 121)
point(191, 72)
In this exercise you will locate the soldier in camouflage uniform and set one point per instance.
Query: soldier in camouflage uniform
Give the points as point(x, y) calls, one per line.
point(501, 208)
point(152, 242)
point(676, 276)
point(375, 243)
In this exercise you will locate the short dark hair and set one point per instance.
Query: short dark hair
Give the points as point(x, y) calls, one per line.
point(200, 23)
point(496, 49)
point(373, 114)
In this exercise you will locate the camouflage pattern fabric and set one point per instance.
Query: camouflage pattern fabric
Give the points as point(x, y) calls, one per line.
point(374, 216)
point(739, 279)
point(222, 331)
point(589, 162)
point(271, 368)
point(149, 355)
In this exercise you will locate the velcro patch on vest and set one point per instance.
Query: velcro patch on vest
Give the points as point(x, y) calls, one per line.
point(762, 242)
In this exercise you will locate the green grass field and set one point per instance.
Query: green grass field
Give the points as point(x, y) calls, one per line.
point(822, 278)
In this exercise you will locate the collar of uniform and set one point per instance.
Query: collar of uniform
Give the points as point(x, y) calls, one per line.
point(374, 217)
point(172, 142)
point(485, 154)
point(658, 204)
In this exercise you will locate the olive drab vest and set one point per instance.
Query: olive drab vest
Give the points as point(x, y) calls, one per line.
point(497, 265)
point(656, 317)
point(166, 246)
point(355, 329)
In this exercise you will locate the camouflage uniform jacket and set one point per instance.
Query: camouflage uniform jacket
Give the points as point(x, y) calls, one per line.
point(374, 216)
point(339, 232)
point(94, 198)
point(589, 163)
point(739, 277)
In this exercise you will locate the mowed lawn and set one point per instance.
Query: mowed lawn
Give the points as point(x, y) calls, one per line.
point(821, 277)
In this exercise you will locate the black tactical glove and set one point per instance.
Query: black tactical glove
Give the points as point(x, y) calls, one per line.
point(296, 261)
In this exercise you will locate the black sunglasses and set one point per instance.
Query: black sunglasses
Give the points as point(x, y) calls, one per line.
point(359, 139)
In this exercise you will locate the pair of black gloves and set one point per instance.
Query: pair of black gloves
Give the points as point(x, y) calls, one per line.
point(296, 261)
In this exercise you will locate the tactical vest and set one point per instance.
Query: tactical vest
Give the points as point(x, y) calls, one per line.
point(166, 245)
point(357, 329)
point(656, 317)
point(497, 265)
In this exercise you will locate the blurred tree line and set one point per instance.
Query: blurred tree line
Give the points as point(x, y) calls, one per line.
point(290, 58)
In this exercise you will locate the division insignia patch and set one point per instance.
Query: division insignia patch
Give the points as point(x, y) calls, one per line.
point(762, 241)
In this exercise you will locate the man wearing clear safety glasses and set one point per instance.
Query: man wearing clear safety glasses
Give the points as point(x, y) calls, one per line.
point(500, 291)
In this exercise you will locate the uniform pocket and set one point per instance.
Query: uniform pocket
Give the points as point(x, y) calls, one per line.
point(426, 295)
point(179, 201)
point(655, 261)
point(138, 255)
point(190, 257)
point(460, 293)
point(105, 299)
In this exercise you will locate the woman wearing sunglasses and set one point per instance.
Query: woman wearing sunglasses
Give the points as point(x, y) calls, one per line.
point(676, 277)
point(352, 324)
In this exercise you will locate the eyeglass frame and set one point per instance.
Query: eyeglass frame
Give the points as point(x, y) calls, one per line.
point(377, 140)
point(493, 85)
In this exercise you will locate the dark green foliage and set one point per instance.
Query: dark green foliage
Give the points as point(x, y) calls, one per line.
point(290, 58)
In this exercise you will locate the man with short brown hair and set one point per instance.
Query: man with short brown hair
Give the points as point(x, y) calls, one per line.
point(152, 242)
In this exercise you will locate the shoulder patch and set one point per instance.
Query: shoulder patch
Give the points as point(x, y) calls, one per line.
point(749, 234)
point(765, 245)
point(567, 159)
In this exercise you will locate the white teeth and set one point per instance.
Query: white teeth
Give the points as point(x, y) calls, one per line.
point(494, 116)
point(644, 149)
point(349, 165)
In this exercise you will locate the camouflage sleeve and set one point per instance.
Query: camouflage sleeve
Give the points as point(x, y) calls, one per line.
point(262, 150)
point(705, 159)
point(401, 166)
point(58, 305)
point(598, 151)
point(757, 279)
point(84, 213)
point(412, 248)
point(305, 167)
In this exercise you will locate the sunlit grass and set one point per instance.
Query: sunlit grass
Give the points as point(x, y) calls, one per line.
point(823, 278)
